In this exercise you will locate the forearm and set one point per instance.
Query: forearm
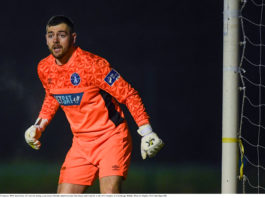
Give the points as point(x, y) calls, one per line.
point(136, 107)
point(49, 108)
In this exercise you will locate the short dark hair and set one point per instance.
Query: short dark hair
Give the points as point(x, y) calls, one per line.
point(58, 19)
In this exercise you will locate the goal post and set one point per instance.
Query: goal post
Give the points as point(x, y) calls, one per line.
point(230, 96)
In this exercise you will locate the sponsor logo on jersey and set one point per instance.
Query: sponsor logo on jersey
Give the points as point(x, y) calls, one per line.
point(75, 79)
point(112, 77)
point(69, 99)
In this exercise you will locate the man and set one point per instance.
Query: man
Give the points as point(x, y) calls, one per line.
point(84, 86)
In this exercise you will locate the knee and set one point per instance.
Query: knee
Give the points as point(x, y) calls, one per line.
point(65, 188)
point(110, 189)
point(110, 184)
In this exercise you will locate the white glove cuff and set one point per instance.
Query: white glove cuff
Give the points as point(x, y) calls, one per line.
point(41, 124)
point(145, 129)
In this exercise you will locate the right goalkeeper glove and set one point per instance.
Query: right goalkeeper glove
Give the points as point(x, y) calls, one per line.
point(33, 133)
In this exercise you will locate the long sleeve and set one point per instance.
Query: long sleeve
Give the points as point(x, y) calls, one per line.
point(110, 81)
point(50, 104)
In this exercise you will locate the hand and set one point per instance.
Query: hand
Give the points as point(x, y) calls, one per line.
point(150, 143)
point(32, 136)
point(33, 133)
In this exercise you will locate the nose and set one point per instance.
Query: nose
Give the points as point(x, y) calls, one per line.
point(55, 39)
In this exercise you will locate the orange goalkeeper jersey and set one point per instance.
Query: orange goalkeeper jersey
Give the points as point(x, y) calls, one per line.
point(87, 89)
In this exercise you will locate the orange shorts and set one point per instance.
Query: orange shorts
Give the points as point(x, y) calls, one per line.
point(93, 156)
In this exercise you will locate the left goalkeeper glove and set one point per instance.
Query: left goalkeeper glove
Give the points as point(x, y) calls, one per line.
point(150, 143)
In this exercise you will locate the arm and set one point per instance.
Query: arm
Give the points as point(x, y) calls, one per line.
point(50, 104)
point(109, 80)
point(48, 110)
point(49, 107)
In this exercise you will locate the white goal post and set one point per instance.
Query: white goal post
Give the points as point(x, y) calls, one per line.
point(230, 96)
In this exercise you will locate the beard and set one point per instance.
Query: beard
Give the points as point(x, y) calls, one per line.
point(58, 51)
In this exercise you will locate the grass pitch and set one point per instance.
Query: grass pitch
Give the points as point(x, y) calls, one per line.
point(42, 177)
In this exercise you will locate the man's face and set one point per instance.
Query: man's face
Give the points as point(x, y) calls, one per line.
point(59, 40)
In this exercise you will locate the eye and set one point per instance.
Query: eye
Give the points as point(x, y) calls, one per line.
point(50, 35)
point(62, 35)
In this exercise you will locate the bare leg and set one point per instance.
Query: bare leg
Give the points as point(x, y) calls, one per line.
point(66, 188)
point(110, 184)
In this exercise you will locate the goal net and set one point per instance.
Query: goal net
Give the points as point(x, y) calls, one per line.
point(252, 86)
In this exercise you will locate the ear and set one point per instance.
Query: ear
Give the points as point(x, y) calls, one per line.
point(74, 35)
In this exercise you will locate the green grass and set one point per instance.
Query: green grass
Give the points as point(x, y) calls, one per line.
point(186, 178)
point(42, 177)
point(28, 177)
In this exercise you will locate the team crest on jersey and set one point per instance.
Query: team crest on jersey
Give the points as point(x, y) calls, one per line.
point(75, 79)
point(69, 99)
point(112, 77)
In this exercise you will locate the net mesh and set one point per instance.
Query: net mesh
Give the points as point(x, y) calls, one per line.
point(252, 77)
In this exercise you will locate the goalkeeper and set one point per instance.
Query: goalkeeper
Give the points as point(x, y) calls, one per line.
point(88, 90)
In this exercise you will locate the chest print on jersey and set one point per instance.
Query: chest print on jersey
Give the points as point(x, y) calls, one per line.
point(75, 79)
point(69, 99)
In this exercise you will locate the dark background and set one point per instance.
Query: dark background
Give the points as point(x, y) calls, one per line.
point(170, 51)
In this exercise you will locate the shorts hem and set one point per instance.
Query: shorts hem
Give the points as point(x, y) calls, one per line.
point(107, 175)
point(76, 182)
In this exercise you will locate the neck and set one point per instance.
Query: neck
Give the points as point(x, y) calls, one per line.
point(63, 60)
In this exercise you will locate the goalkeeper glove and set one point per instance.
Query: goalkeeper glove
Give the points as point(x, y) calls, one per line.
point(33, 133)
point(150, 143)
